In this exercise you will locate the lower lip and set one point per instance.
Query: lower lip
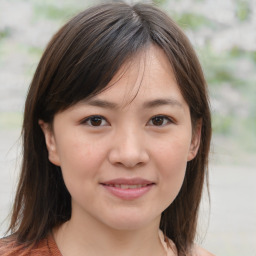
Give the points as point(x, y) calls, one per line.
point(128, 194)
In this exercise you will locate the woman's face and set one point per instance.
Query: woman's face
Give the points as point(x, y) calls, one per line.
point(123, 153)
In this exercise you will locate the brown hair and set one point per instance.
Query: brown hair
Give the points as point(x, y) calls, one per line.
point(80, 60)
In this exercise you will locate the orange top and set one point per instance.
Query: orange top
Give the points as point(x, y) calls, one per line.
point(46, 247)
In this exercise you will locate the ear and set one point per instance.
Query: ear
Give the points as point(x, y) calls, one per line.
point(50, 142)
point(195, 141)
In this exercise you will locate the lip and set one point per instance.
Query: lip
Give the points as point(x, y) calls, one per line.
point(143, 186)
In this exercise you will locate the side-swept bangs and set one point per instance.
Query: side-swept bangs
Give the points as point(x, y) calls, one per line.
point(85, 54)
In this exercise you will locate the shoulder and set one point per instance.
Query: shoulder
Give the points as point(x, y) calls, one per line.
point(10, 247)
point(199, 251)
point(171, 249)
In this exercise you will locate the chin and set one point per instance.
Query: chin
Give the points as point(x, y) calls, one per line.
point(131, 222)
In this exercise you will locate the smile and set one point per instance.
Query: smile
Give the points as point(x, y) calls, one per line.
point(128, 189)
point(126, 186)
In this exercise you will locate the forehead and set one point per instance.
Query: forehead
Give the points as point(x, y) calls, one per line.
point(146, 76)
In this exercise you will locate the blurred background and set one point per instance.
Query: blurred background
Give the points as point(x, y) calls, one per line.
point(223, 33)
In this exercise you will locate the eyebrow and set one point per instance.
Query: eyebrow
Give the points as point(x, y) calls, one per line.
point(161, 102)
point(101, 103)
point(148, 104)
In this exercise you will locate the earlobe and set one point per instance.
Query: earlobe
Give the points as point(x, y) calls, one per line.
point(195, 142)
point(50, 142)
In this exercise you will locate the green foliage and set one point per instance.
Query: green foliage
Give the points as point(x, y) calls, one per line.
point(241, 131)
point(5, 32)
point(52, 12)
point(222, 74)
point(222, 124)
point(236, 125)
point(236, 52)
point(243, 10)
point(253, 55)
point(36, 51)
point(192, 21)
point(250, 134)
point(159, 2)
point(225, 67)
point(218, 72)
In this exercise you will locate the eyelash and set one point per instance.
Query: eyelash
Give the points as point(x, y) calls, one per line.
point(167, 120)
point(89, 119)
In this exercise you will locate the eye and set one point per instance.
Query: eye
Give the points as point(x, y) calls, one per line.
point(95, 121)
point(160, 120)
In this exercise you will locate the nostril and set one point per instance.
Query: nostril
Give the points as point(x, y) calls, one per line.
point(129, 165)
point(128, 153)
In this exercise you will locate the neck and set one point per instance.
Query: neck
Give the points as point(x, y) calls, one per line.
point(76, 237)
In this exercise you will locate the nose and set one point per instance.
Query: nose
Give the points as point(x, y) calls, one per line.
point(128, 149)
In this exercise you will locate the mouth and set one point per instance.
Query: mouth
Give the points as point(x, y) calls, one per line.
point(128, 189)
point(126, 186)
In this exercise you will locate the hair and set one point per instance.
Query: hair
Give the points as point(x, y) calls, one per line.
point(79, 61)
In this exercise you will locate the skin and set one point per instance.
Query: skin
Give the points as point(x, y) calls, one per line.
point(125, 140)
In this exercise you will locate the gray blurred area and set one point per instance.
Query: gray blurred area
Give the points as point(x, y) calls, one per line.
point(223, 34)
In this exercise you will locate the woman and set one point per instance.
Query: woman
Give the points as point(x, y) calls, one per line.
point(116, 137)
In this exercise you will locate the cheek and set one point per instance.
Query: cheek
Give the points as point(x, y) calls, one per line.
point(171, 165)
point(172, 152)
point(80, 158)
point(80, 164)
point(172, 168)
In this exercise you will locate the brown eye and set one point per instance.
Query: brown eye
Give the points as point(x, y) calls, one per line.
point(160, 121)
point(95, 121)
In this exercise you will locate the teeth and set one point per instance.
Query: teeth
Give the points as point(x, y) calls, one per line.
point(126, 186)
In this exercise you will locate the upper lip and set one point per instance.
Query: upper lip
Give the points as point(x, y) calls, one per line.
point(133, 181)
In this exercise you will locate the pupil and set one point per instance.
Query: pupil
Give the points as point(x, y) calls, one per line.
point(158, 120)
point(96, 121)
